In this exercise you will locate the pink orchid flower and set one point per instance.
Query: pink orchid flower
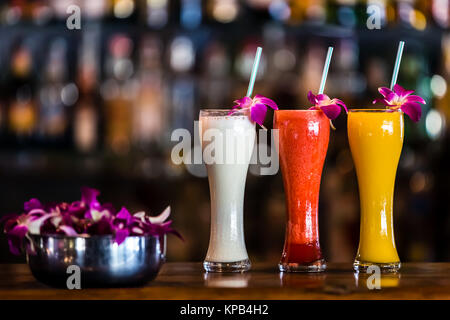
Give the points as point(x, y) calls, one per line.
point(331, 107)
point(257, 106)
point(399, 98)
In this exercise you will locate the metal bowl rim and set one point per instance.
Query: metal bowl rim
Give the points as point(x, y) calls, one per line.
point(95, 236)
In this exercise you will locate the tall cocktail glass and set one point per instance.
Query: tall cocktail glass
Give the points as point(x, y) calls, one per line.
point(227, 145)
point(303, 144)
point(376, 140)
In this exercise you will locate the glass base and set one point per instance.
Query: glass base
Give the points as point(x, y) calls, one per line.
point(362, 266)
point(316, 266)
point(236, 266)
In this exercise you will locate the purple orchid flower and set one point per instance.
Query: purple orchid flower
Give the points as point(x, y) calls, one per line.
point(401, 99)
point(81, 218)
point(331, 107)
point(68, 231)
point(257, 106)
point(122, 223)
point(32, 204)
point(89, 197)
point(15, 238)
point(17, 228)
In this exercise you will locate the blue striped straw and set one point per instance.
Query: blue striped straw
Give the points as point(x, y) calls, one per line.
point(254, 71)
point(325, 70)
point(397, 63)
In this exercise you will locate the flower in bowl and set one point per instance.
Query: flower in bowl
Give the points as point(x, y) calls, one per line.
point(84, 218)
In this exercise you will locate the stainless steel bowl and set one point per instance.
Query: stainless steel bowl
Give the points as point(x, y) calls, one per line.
point(102, 262)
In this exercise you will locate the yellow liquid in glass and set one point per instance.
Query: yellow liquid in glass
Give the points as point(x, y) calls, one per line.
point(376, 139)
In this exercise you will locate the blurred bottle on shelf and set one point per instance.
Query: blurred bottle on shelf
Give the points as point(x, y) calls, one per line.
point(94, 10)
point(282, 62)
point(215, 80)
point(190, 13)
point(343, 13)
point(41, 12)
point(124, 9)
point(182, 92)
point(22, 113)
point(437, 124)
point(119, 91)
point(413, 14)
point(56, 94)
point(311, 71)
point(440, 10)
point(16, 11)
point(315, 11)
point(347, 81)
point(86, 119)
point(223, 11)
point(149, 114)
point(279, 10)
point(156, 13)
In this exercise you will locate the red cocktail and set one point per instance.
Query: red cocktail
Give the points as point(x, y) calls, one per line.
point(303, 144)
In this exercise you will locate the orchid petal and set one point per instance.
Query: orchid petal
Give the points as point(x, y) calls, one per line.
point(32, 204)
point(137, 231)
point(312, 98)
point(402, 92)
point(101, 227)
point(121, 235)
point(384, 91)
point(77, 209)
point(244, 102)
point(124, 214)
point(161, 217)
point(9, 221)
point(96, 215)
point(341, 104)
point(379, 100)
point(392, 97)
point(332, 111)
point(258, 113)
point(68, 231)
point(140, 215)
point(415, 98)
point(267, 101)
point(36, 212)
point(15, 238)
point(413, 110)
point(322, 97)
point(34, 225)
point(89, 196)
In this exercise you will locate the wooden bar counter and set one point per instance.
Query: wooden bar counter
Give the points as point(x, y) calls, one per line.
point(188, 281)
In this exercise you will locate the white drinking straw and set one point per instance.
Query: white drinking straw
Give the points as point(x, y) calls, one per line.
point(397, 63)
point(325, 70)
point(254, 71)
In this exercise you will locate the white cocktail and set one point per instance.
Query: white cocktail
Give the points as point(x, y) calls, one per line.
point(227, 145)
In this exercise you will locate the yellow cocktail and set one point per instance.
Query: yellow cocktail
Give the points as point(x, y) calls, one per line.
point(376, 139)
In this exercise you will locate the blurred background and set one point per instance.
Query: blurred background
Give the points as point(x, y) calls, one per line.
point(96, 107)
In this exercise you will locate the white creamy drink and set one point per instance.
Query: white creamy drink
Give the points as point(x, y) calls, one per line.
point(227, 145)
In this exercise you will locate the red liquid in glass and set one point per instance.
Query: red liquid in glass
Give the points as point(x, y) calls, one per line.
point(303, 144)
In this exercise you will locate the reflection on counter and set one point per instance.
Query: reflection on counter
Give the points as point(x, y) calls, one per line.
point(377, 281)
point(227, 280)
point(303, 280)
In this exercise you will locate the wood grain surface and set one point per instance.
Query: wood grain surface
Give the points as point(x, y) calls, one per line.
point(188, 281)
